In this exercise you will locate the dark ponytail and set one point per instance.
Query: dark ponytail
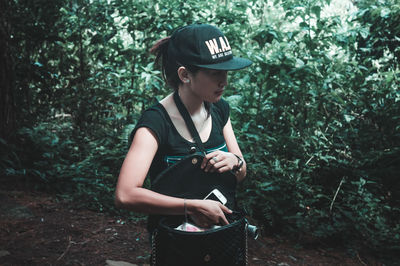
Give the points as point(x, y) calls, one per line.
point(160, 50)
point(167, 64)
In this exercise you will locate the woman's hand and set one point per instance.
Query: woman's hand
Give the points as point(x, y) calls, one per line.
point(206, 213)
point(219, 161)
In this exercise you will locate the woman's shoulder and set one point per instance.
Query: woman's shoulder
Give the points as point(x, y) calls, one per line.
point(222, 105)
point(159, 109)
point(155, 111)
point(153, 118)
point(222, 110)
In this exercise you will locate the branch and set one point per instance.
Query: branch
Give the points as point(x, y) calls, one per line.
point(66, 250)
point(337, 191)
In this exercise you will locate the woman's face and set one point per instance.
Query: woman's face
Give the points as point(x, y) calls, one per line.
point(209, 84)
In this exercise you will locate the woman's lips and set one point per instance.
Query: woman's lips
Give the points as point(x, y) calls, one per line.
point(219, 92)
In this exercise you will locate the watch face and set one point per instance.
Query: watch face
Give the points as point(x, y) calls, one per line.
point(240, 162)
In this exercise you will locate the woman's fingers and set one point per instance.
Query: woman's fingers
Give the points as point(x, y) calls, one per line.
point(223, 169)
point(225, 209)
point(212, 165)
point(209, 159)
point(217, 161)
point(222, 218)
point(211, 213)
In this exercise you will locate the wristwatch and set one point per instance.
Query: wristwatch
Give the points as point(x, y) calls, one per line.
point(238, 167)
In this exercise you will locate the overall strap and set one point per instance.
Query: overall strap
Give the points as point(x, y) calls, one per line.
point(189, 122)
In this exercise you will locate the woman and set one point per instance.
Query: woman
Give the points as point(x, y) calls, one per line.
point(194, 61)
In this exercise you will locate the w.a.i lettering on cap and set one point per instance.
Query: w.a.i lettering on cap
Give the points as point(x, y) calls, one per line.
point(204, 46)
point(219, 48)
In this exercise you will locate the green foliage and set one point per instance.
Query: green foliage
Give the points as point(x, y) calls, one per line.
point(317, 114)
point(322, 118)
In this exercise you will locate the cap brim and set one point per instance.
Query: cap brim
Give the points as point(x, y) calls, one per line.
point(235, 63)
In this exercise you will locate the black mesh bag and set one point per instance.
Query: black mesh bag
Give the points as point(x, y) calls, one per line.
point(223, 246)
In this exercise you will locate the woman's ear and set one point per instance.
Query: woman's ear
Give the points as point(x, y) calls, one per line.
point(183, 74)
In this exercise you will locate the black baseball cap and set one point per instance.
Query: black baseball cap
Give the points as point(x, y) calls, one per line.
point(204, 46)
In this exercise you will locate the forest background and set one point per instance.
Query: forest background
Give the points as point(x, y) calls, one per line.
point(317, 115)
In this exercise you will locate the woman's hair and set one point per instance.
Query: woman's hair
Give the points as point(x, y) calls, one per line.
point(169, 66)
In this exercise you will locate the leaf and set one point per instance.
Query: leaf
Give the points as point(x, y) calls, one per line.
point(385, 12)
point(348, 118)
point(364, 32)
point(316, 10)
point(304, 25)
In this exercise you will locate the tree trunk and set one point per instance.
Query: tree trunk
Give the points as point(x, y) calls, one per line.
point(7, 104)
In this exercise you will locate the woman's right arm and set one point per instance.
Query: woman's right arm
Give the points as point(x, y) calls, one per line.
point(131, 195)
point(129, 192)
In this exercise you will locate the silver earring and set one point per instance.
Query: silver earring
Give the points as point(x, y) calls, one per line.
point(186, 80)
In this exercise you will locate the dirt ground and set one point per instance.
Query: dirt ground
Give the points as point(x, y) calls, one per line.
point(38, 229)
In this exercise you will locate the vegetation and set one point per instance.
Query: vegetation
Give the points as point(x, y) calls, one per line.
point(317, 115)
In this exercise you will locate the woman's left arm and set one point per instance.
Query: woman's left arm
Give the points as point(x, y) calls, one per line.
point(219, 161)
point(234, 148)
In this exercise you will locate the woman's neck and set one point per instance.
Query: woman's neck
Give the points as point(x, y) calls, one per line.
point(192, 102)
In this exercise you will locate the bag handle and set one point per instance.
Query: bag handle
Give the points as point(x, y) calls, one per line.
point(189, 122)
